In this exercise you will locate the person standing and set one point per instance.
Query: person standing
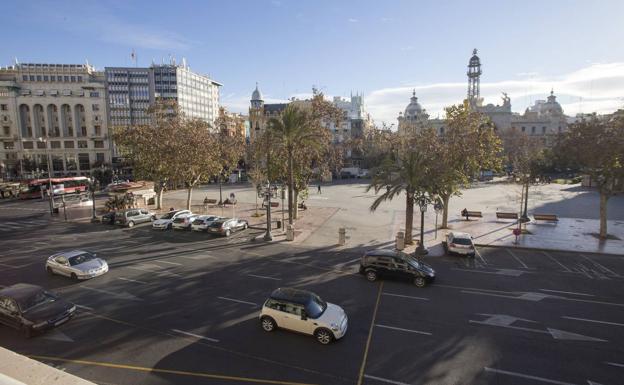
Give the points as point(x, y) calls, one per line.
point(319, 189)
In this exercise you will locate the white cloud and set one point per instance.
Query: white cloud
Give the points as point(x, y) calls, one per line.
point(598, 87)
point(352, 20)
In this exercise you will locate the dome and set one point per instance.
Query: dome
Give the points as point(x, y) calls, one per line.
point(552, 106)
point(256, 94)
point(474, 60)
point(413, 109)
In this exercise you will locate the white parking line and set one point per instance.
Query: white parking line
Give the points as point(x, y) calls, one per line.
point(517, 259)
point(526, 376)
point(84, 307)
point(567, 292)
point(131, 280)
point(153, 271)
point(170, 263)
point(353, 260)
point(194, 335)
point(592, 320)
point(198, 257)
point(557, 262)
point(385, 380)
point(601, 266)
point(238, 300)
point(265, 277)
point(403, 330)
point(615, 364)
point(405, 296)
point(478, 254)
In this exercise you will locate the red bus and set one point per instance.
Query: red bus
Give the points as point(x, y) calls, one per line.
point(60, 186)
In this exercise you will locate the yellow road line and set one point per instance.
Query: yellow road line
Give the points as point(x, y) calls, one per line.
point(370, 335)
point(168, 371)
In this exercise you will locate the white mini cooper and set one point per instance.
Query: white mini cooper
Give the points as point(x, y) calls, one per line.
point(304, 312)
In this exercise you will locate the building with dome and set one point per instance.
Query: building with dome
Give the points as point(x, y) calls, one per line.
point(545, 119)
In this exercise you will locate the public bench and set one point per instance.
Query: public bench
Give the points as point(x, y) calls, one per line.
point(546, 217)
point(502, 215)
point(469, 214)
point(273, 204)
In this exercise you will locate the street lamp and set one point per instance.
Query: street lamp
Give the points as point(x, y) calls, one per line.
point(268, 194)
point(49, 158)
point(421, 250)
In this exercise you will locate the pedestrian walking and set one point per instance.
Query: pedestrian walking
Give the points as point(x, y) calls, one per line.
point(319, 189)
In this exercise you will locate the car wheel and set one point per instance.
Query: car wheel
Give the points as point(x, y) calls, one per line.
point(227, 233)
point(245, 226)
point(131, 224)
point(26, 331)
point(371, 275)
point(74, 276)
point(169, 226)
point(49, 270)
point(323, 336)
point(420, 281)
point(268, 324)
point(153, 218)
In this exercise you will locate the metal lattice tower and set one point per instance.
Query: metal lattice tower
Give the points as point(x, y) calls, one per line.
point(474, 75)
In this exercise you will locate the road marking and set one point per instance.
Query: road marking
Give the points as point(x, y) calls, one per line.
point(169, 371)
point(592, 320)
point(265, 277)
point(499, 371)
point(615, 364)
point(557, 262)
point(601, 266)
point(353, 260)
point(517, 259)
point(567, 292)
point(198, 257)
point(506, 272)
point(406, 296)
point(370, 335)
point(170, 263)
point(122, 295)
point(131, 280)
point(238, 300)
point(403, 330)
point(195, 335)
point(475, 289)
point(385, 380)
point(478, 254)
point(57, 335)
point(563, 335)
point(84, 307)
point(528, 296)
point(154, 272)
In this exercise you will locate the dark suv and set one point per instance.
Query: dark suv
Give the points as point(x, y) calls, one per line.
point(395, 264)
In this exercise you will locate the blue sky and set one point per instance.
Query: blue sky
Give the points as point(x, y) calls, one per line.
point(382, 49)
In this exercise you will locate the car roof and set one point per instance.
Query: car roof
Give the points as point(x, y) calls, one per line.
point(460, 235)
point(292, 295)
point(381, 253)
point(71, 253)
point(20, 291)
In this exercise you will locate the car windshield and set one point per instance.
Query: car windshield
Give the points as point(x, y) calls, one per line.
point(217, 224)
point(199, 221)
point(81, 258)
point(35, 300)
point(315, 307)
point(413, 262)
point(462, 241)
point(169, 215)
point(210, 219)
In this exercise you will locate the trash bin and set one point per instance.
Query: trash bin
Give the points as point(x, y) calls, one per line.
point(290, 233)
point(400, 240)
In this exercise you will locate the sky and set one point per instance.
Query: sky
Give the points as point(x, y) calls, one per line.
point(380, 49)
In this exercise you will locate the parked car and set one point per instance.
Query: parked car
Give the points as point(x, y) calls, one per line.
point(131, 217)
point(76, 264)
point(202, 222)
point(304, 312)
point(227, 226)
point(109, 218)
point(31, 309)
point(183, 222)
point(460, 243)
point(166, 220)
point(395, 264)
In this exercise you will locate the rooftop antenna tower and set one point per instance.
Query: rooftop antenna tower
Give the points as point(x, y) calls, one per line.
point(474, 78)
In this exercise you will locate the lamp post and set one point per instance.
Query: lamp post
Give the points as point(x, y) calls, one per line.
point(421, 250)
point(49, 158)
point(268, 193)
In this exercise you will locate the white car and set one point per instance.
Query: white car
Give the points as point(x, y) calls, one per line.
point(183, 222)
point(304, 312)
point(460, 243)
point(76, 264)
point(165, 222)
point(202, 222)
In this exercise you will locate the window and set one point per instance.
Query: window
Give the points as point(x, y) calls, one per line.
point(533, 130)
point(69, 144)
point(99, 157)
point(95, 107)
point(24, 78)
point(38, 78)
point(6, 130)
point(55, 144)
point(9, 145)
point(31, 78)
point(80, 79)
point(45, 78)
point(66, 78)
point(73, 79)
point(4, 107)
point(97, 130)
point(98, 144)
point(83, 161)
point(82, 144)
point(94, 94)
point(544, 130)
point(41, 145)
point(523, 128)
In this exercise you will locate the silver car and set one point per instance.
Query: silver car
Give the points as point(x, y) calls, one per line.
point(76, 264)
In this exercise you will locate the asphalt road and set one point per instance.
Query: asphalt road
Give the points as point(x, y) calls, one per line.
point(182, 307)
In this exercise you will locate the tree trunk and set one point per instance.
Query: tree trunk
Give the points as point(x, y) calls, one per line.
point(189, 195)
point(291, 185)
point(409, 218)
point(445, 202)
point(296, 204)
point(604, 198)
point(159, 196)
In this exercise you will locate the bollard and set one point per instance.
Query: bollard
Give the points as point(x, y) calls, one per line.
point(342, 236)
point(290, 233)
point(400, 240)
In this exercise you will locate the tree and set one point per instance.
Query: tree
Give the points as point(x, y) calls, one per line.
point(597, 146)
point(468, 146)
point(407, 169)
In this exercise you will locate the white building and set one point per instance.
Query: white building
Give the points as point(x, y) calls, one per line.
point(56, 112)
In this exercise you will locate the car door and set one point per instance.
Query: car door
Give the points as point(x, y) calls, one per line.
point(292, 317)
point(9, 313)
point(61, 266)
point(401, 269)
point(384, 266)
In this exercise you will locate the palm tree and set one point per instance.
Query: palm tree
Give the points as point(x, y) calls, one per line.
point(406, 169)
point(294, 129)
